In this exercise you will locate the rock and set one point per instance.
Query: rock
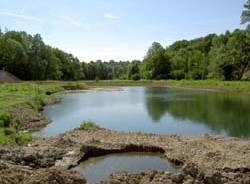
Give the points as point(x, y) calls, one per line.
point(54, 176)
point(190, 169)
point(178, 177)
point(214, 178)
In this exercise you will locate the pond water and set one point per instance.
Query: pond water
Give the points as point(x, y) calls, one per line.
point(100, 168)
point(154, 110)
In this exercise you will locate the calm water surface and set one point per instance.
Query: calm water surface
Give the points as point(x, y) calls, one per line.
point(154, 110)
point(100, 168)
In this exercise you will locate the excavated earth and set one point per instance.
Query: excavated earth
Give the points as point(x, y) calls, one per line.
point(202, 159)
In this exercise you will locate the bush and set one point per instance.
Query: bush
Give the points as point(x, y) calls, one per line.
point(97, 79)
point(4, 119)
point(135, 77)
point(88, 125)
point(9, 131)
point(23, 138)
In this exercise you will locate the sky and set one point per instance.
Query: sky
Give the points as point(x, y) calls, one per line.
point(118, 29)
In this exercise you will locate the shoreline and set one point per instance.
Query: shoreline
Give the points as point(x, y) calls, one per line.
point(201, 158)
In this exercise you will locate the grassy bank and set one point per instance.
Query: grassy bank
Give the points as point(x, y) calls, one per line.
point(33, 96)
point(231, 86)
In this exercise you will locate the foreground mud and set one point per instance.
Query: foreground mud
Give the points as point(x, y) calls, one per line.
point(201, 159)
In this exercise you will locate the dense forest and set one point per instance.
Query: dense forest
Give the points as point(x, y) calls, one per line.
point(223, 57)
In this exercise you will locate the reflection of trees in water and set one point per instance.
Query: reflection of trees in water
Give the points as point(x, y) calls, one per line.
point(228, 112)
point(156, 108)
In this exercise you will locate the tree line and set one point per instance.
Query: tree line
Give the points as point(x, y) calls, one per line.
point(223, 57)
point(29, 58)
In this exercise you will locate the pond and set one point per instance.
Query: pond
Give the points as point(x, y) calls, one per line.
point(100, 168)
point(154, 110)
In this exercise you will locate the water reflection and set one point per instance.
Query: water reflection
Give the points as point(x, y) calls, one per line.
point(100, 168)
point(154, 110)
point(219, 111)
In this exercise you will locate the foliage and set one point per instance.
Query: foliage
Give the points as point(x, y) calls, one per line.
point(223, 57)
point(88, 125)
point(4, 119)
point(134, 70)
point(12, 136)
point(156, 63)
point(245, 17)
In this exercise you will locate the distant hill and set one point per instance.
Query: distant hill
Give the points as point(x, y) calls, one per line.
point(6, 77)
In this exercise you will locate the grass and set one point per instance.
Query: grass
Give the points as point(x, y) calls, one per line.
point(10, 135)
point(232, 86)
point(31, 95)
point(88, 125)
point(107, 83)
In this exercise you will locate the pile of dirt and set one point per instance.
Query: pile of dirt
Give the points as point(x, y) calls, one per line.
point(6, 77)
point(14, 174)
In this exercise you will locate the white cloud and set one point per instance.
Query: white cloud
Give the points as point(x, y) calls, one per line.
point(21, 16)
point(111, 17)
point(72, 21)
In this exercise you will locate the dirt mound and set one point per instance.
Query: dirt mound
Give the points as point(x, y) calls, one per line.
point(14, 174)
point(8, 77)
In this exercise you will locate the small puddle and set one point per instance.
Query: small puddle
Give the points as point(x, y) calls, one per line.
point(100, 168)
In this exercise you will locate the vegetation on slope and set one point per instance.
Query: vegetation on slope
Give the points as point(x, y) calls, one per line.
point(29, 95)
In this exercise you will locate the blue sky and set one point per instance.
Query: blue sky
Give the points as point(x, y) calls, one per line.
point(118, 29)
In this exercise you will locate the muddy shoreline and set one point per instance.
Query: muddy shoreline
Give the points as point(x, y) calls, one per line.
point(202, 159)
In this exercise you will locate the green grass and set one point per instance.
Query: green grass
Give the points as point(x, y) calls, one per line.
point(119, 83)
point(31, 95)
point(233, 86)
point(88, 125)
point(10, 135)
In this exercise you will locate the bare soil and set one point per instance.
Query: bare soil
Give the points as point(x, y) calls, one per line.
point(202, 159)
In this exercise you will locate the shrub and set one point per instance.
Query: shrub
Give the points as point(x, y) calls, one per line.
point(4, 119)
point(23, 138)
point(97, 79)
point(88, 125)
point(9, 131)
point(135, 77)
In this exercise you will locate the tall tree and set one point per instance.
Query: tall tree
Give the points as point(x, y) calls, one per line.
point(134, 70)
point(157, 63)
point(37, 62)
point(245, 16)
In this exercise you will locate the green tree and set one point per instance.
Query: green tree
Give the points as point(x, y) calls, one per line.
point(134, 70)
point(239, 53)
point(36, 58)
point(157, 63)
point(12, 56)
point(53, 70)
point(245, 16)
